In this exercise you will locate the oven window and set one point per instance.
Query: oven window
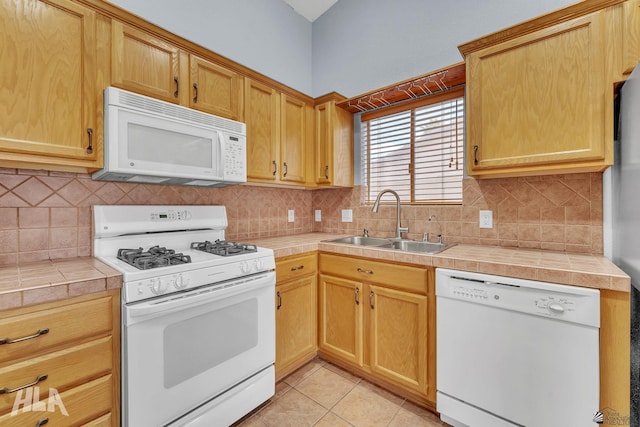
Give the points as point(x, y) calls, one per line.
point(195, 345)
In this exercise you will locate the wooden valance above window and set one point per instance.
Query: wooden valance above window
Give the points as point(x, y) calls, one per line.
point(427, 84)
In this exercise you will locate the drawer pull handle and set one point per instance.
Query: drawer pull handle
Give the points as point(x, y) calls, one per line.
point(357, 296)
point(297, 268)
point(36, 335)
point(360, 270)
point(42, 422)
point(5, 390)
point(371, 295)
point(279, 300)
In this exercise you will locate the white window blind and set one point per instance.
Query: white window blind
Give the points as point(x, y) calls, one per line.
point(416, 150)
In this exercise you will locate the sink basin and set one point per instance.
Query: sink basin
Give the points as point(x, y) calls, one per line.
point(420, 247)
point(361, 241)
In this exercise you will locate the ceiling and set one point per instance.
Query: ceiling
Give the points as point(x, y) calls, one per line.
point(311, 9)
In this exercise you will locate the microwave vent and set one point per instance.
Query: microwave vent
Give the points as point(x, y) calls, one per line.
point(145, 103)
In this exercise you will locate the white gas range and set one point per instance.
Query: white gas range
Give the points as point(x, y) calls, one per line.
point(198, 315)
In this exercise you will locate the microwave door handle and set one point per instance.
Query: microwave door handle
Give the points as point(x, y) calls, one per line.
point(220, 156)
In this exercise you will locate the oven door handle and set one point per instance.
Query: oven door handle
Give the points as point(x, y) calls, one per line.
point(196, 297)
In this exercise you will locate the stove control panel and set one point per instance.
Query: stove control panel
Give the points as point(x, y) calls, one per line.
point(180, 215)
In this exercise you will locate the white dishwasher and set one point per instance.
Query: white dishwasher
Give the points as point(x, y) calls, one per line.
point(514, 352)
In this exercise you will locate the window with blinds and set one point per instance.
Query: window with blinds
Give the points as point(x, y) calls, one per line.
point(416, 149)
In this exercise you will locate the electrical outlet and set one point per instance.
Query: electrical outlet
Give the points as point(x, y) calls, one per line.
point(318, 215)
point(290, 215)
point(486, 219)
point(347, 215)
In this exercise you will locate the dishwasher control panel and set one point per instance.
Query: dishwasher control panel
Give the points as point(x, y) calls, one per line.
point(567, 303)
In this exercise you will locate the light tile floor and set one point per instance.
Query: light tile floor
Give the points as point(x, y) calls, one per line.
point(324, 395)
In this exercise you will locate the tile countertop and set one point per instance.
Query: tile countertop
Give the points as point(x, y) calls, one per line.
point(51, 280)
point(591, 271)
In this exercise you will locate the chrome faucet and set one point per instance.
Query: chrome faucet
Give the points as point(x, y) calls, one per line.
point(425, 236)
point(376, 206)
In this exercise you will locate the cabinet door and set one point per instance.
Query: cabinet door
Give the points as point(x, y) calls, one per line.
point(539, 99)
point(399, 337)
point(334, 146)
point(48, 86)
point(261, 115)
point(293, 137)
point(215, 89)
point(632, 35)
point(295, 321)
point(340, 318)
point(144, 64)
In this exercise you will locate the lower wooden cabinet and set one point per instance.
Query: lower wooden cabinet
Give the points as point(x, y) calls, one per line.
point(296, 316)
point(378, 319)
point(61, 361)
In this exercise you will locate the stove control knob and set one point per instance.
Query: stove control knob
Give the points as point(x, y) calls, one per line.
point(180, 282)
point(259, 265)
point(245, 267)
point(158, 287)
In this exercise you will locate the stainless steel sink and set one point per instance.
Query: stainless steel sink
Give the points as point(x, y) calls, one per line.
point(400, 245)
point(361, 241)
point(420, 247)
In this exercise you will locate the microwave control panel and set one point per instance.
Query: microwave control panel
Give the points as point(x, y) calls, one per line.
point(235, 155)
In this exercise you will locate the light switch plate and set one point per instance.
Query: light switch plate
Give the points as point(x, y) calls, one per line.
point(486, 219)
point(318, 215)
point(290, 215)
point(347, 215)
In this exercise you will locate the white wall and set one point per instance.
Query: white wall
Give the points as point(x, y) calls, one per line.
point(356, 47)
point(362, 45)
point(267, 36)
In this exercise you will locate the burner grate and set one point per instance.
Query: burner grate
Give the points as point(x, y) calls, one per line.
point(154, 257)
point(223, 247)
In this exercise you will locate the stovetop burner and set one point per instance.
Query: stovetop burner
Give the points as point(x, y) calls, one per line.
point(223, 247)
point(154, 257)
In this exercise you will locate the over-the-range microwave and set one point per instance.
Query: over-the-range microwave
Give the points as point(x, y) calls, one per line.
point(151, 141)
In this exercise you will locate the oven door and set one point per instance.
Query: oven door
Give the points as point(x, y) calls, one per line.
point(185, 349)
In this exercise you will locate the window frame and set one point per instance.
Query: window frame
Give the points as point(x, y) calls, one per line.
point(366, 117)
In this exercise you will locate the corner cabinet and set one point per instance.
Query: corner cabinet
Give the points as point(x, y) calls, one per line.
point(296, 322)
point(48, 91)
point(71, 347)
point(541, 102)
point(378, 319)
point(151, 66)
point(333, 143)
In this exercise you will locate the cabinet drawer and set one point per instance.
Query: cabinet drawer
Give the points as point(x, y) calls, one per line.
point(412, 279)
point(290, 268)
point(64, 324)
point(103, 421)
point(64, 369)
point(81, 404)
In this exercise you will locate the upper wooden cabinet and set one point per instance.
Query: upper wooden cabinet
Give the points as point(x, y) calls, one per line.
point(631, 52)
point(48, 87)
point(279, 131)
point(538, 103)
point(143, 63)
point(333, 143)
point(216, 90)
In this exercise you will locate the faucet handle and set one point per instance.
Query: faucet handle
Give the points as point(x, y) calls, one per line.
point(425, 236)
point(365, 233)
